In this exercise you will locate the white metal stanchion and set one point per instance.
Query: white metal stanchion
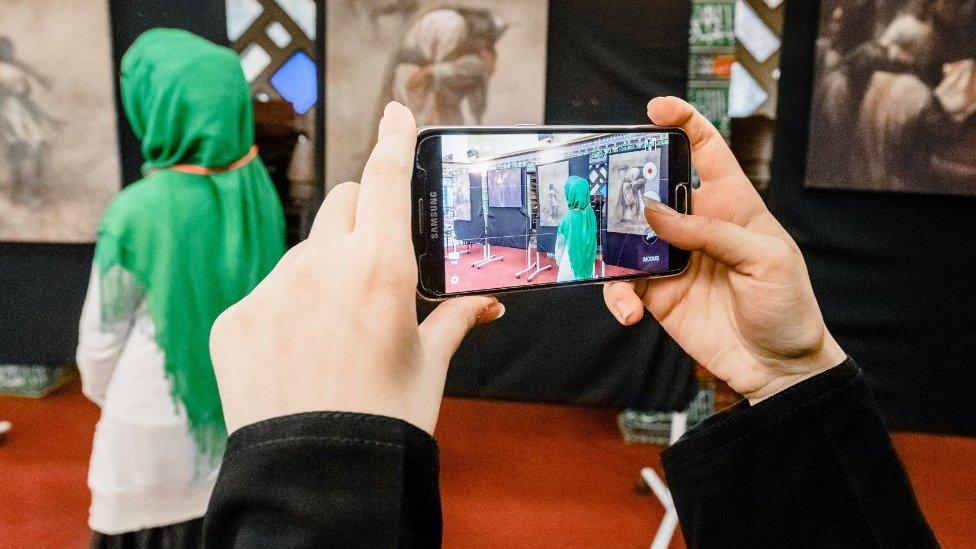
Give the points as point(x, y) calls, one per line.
point(534, 264)
point(665, 531)
point(486, 257)
point(529, 264)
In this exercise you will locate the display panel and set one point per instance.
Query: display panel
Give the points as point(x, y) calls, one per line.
point(632, 175)
point(550, 211)
point(462, 198)
point(59, 150)
point(463, 62)
point(552, 199)
point(505, 188)
point(893, 107)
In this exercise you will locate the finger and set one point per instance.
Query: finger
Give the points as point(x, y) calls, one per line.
point(710, 154)
point(733, 245)
point(445, 328)
point(337, 215)
point(624, 303)
point(384, 201)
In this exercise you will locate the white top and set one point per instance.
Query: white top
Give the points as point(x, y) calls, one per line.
point(564, 267)
point(145, 470)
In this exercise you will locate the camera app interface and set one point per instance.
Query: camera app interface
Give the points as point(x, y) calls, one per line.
point(529, 209)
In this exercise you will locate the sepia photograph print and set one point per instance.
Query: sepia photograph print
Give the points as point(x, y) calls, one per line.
point(552, 196)
point(627, 183)
point(462, 198)
point(894, 97)
point(459, 62)
point(59, 160)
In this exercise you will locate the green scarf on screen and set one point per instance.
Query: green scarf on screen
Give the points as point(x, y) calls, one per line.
point(578, 227)
point(193, 244)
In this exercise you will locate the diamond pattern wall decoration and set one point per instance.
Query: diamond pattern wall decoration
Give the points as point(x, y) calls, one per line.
point(758, 28)
point(268, 34)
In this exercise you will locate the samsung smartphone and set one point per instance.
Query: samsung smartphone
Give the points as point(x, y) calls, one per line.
point(501, 209)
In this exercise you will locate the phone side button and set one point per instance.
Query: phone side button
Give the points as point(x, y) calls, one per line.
point(421, 217)
point(681, 198)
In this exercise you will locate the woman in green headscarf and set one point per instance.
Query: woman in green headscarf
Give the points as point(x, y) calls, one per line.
point(176, 248)
point(576, 235)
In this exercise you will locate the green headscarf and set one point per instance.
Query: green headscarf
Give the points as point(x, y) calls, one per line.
point(578, 227)
point(193, 244)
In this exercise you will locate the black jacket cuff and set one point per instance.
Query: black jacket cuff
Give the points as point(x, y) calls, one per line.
point(739, 421)
point(340, 427)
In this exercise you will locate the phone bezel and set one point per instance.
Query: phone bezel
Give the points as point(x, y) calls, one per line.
point(429, 248)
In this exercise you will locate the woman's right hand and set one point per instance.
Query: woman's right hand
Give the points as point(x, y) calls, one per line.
point(745, 308)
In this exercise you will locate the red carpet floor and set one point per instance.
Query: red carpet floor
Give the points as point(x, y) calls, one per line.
point(461, 276)
point(513, 475)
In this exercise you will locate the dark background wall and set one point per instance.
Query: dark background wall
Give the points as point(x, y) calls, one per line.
point(894, 273)
point(42, 286)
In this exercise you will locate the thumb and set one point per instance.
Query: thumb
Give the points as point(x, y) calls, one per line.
point(442, 332)
point(732, 245)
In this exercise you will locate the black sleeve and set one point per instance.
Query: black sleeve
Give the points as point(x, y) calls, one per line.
point(812, 466)
point(327, 479)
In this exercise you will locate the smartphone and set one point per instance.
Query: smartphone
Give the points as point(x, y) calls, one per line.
point(503, 209)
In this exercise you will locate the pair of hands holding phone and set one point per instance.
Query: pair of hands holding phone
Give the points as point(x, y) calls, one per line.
point(334, 326)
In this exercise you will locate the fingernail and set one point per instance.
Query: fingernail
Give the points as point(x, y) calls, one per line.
point(623, 310)
point(498, 310)
point(491, 313)
point(390, 106)
point(656, 207)
point(385, 119)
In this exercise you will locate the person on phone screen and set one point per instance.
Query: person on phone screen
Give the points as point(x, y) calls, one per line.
point(332, 389)
point(576, 234)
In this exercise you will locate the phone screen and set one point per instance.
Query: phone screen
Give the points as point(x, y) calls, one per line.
point(545, 208)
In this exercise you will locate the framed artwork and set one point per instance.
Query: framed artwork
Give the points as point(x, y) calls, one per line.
point(505, 188)
point(452, 62)
point(59, 151)
point(462, 198)
point(894, 97)
point(631, 175)
point(552, 197)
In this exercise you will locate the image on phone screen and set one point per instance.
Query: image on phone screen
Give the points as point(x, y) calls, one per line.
point(531, 209)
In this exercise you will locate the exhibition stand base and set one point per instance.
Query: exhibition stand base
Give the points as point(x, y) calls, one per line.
point(507, 268)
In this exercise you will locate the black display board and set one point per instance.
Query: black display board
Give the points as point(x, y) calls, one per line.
point(605, 61)
point(894, 273)
point(42, 286)
point(509, 226)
